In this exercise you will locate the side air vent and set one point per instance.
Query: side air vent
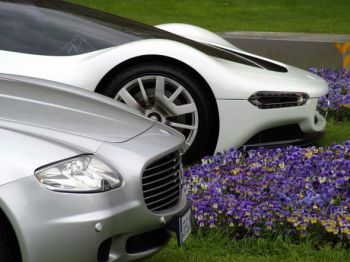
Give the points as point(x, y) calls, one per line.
point(269, 100)
point(161, 183)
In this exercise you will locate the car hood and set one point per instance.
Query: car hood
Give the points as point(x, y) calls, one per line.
point(67, 109)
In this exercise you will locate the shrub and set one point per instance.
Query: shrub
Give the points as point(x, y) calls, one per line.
point(337, 102)
point(295, 191)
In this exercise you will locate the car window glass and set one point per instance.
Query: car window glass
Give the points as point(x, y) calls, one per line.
point(37, 30)
point(60, 28)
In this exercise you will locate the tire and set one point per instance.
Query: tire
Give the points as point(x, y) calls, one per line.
point(9, 248)
point(199, 127)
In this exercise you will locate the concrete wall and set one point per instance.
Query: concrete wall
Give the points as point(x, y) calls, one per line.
point(298, 49)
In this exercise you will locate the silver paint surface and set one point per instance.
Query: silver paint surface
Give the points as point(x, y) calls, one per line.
point(52, 226)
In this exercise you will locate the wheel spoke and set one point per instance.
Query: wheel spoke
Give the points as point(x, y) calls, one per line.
point(179, 125)
point(184, 109)
point(187, 145)
point(176, 94)
point(143, 91)
point(160, 87)
point(167, 103)
point(129, 100)
point(161, 101)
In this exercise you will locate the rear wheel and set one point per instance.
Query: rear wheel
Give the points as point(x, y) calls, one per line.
point(170, 95)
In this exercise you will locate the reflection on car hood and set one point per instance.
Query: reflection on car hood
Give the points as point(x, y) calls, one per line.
point(68, 109)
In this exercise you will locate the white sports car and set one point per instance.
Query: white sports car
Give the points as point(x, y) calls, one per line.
point(215, 94)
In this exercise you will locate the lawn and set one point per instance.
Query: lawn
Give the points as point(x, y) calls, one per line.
point(216, 247)
point(321, 16)
point(336, 132)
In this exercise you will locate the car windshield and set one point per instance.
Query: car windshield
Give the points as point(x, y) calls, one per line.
point(57, 28)
point(51, 28)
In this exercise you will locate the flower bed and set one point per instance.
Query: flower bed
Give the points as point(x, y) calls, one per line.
point(294, 191)
point(337, 102)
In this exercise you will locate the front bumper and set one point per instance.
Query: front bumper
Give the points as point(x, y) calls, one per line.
point(54, 226)
point(290, 135)
point(65, 227)
point(240, 121)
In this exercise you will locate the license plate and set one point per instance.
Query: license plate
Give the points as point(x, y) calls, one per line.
point(185, 226)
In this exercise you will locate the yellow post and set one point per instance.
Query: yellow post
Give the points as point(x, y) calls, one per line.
point(344, 49)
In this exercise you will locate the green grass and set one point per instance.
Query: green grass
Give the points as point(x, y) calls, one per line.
point(216, 247)
point(336, 132)
point(323, 16)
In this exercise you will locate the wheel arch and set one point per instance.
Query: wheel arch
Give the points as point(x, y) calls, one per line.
point(166, 60)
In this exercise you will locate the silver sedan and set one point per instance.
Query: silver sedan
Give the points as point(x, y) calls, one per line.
point(84, 178)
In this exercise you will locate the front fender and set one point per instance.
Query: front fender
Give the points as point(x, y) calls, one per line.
point(21, 154)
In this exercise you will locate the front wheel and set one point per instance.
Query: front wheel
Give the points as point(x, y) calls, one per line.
point(170, 95)
point(9, 247)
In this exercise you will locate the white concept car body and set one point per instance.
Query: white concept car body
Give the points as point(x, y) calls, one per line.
point(215, 94)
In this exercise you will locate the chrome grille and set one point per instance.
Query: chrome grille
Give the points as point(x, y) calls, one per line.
point(161, 183)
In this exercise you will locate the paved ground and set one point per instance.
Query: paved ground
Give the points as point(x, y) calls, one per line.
point(288, 36)
point(300, 49)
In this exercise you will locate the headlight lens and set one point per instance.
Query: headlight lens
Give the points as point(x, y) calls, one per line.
point(80, 174)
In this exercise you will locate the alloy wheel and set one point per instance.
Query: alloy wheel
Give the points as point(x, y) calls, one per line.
point(165, 100)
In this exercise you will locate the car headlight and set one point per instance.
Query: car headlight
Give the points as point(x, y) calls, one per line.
point(84, 173)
